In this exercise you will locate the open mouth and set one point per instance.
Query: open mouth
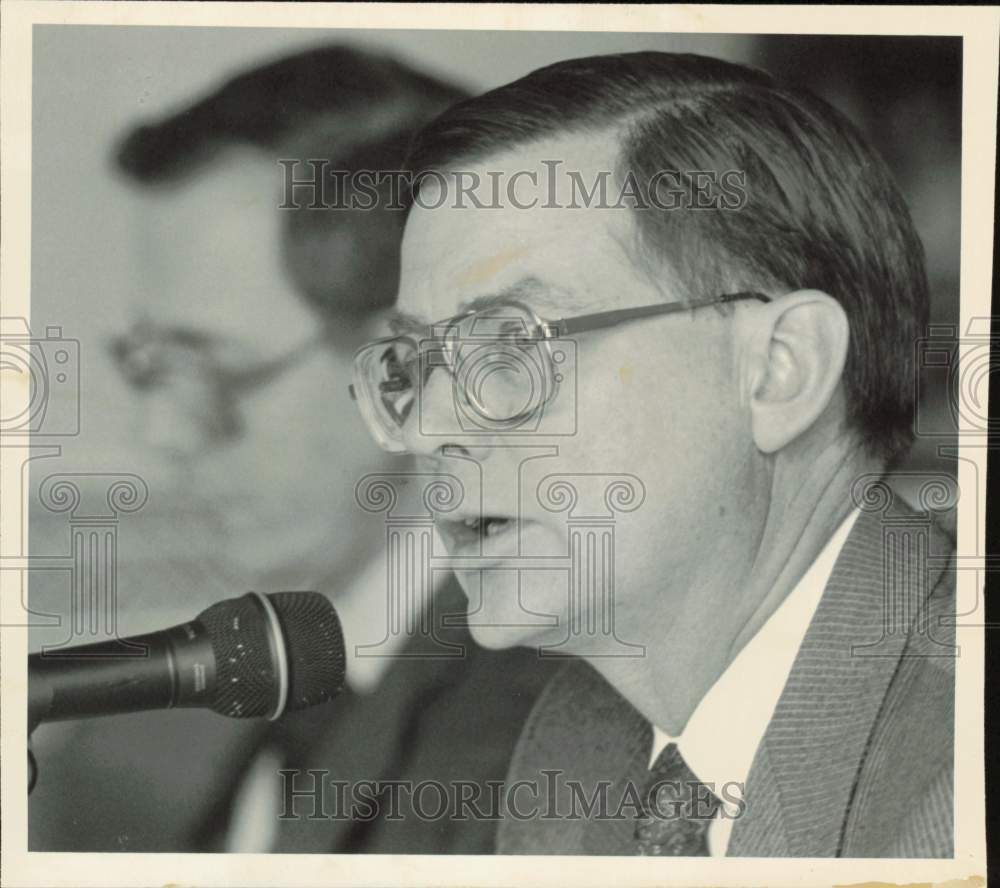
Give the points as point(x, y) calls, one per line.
point(470, 532)
point(488, 526)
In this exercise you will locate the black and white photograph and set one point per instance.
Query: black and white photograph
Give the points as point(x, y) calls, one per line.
point(489, 449)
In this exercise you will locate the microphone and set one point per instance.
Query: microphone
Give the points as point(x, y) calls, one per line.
point(247, 657)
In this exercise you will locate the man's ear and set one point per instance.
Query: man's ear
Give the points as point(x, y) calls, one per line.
point(801, 347)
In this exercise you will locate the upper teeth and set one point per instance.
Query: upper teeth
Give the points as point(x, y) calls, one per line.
point(493, 525)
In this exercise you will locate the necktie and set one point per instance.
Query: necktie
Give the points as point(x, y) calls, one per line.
point(677, 809)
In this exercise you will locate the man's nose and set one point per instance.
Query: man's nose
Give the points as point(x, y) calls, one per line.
point(170, 429)
point(433, 424)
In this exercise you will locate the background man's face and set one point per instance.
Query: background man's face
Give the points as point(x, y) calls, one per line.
point(276, 466)
point(656, 399)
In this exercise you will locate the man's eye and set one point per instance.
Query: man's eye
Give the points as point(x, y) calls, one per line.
point(396, 372)
point(393, 385)
point(145, 381)
point(516, 335)
point(140, 370)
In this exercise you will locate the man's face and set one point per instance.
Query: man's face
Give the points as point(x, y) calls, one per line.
point(656, 400)
point(272, 457)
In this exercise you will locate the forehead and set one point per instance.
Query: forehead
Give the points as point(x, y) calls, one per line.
point(534, 239)
point(209, 254)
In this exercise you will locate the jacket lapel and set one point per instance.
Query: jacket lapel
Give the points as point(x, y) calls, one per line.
point(761, 831)
point(802, 780)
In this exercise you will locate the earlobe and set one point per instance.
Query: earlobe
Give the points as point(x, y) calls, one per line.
point(802, 349)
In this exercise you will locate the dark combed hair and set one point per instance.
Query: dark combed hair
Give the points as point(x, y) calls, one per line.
point(352, 108)
point(821, 209)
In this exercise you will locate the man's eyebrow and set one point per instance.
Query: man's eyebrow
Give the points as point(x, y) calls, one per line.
point(535, 292)
point(401, 322)
point(193, 339)
point(175, 334)
point(190, 337)
point(531, 290)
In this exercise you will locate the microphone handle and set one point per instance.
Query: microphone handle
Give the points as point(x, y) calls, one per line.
point(160, 670)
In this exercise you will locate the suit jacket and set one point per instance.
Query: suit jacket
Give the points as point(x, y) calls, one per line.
point(857, 760)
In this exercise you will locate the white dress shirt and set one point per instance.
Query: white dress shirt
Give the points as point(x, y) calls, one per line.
point(721, 737)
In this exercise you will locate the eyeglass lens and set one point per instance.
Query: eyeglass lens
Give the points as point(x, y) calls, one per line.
point(499, 362)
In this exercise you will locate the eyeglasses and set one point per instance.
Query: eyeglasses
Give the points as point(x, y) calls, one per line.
point(193, 369)
point(503, 360)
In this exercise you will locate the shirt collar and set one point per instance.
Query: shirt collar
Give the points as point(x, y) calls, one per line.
point(721, 738)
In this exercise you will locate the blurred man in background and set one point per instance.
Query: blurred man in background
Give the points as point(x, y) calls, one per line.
point(247, 323)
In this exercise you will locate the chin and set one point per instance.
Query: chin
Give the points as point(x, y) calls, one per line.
point(497, 618)
point(501, 638)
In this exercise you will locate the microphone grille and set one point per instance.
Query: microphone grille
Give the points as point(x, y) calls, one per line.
point(315, 645)
point(246, 678)
point(246, 673)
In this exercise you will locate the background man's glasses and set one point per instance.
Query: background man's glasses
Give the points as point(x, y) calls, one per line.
point(189, 367)
point(504, 361)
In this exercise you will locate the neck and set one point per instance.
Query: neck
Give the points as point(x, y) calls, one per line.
point(807, 502)
point(799, 525)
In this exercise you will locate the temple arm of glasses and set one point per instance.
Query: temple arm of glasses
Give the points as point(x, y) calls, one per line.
point(603, 319)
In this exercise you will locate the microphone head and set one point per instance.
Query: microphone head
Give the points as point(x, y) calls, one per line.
point(315, 645)
point(249, 672)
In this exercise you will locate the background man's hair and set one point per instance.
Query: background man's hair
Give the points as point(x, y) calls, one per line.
point(351, 108)
point(821, 210)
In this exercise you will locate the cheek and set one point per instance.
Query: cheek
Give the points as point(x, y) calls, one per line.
point(289, 433)
point(673, 420)
point(633, 407)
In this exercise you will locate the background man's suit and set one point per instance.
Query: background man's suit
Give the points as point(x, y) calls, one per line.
point(437, 719)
